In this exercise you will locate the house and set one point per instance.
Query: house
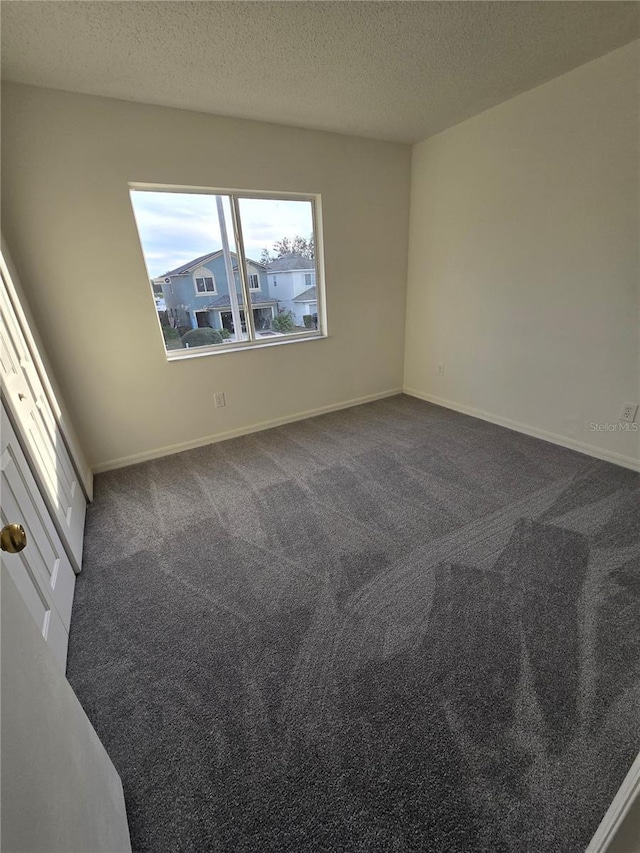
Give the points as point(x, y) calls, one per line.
point(373, 588)
point(292, 281)
point(196, 294)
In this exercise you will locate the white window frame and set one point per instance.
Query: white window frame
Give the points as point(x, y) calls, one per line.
point(204, 273)
point(318, 263)
point(257, 278)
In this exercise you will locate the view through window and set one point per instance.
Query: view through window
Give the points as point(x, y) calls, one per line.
point(210, 255)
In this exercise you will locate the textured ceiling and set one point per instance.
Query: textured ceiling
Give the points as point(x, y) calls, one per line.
point(390, 70)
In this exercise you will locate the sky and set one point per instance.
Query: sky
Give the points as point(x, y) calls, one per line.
point(175, 228)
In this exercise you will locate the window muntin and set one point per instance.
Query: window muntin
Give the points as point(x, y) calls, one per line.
point(205, 282)
point(228, 233)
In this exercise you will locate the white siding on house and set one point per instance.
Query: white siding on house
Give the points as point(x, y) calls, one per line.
point(299, 309)
point(288, 285)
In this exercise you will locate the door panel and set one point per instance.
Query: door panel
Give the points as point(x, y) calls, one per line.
point(42, 571)
point(60, 791)
point(39, 429)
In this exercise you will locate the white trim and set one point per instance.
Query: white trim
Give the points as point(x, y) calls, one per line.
point(201, 311)
point(168, 450)
point(554, 438)
point(15, 293)
point(617, 811)
point(228, 191)
point(316, 263)
point(304, 270)
point(236, 346)
point(204, 273)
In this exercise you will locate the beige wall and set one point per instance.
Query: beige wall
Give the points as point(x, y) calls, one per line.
point(523, 260)
point(66, 163)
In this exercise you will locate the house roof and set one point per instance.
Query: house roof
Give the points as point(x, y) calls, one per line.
point(222, 302)
point(289, 262)
point(196, 262)
point(250, 261)
point(306, 296)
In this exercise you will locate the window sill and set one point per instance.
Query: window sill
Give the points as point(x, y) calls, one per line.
point(221, 349)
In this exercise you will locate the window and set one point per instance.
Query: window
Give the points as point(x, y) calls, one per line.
point(201, 245)
point(205, 284)
point(307, 279)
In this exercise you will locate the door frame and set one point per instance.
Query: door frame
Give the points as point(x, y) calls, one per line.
point(17, 302)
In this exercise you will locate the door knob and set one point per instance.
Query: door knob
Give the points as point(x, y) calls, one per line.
point(13, 538)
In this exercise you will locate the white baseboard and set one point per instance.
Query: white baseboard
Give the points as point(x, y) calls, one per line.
point(617, 811)
point(125, 461)
point(554, 438)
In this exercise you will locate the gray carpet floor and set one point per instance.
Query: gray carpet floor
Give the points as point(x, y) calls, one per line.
point(391, 628)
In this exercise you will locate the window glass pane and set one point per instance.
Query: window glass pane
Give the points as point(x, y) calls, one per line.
point(278, 233)
point(181, 233)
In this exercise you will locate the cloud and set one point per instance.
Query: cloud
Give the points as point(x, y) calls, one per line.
point(174, 228)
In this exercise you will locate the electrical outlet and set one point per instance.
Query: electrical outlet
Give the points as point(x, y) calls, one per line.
point(219, 400)
point(441, 370)
point(628, 412)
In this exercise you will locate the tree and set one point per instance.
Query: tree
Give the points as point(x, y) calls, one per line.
point(201, 337)
point(286, 246)
point(283, 322)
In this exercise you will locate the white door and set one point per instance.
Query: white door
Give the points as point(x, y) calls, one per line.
point(59, 790)
point(39, 430)
point(42, 571)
